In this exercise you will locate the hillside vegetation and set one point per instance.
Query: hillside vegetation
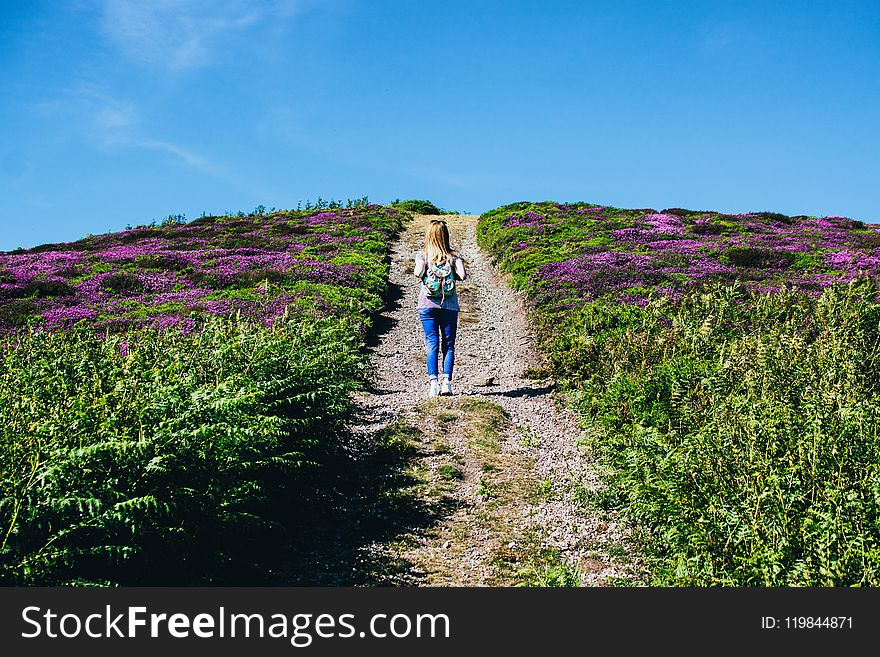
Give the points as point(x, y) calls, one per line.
point(727, 369)
point(171, 396)
point(175, 398)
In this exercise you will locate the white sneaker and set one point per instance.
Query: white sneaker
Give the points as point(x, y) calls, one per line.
point(446, 387)
point(433, 388)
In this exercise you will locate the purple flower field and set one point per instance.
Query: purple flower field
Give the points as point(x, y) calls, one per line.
point(260, 266)
point(566, 254)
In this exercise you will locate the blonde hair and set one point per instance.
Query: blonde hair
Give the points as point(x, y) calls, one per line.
point(437, 242)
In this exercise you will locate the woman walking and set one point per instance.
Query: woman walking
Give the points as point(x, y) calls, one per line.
point(438, 267)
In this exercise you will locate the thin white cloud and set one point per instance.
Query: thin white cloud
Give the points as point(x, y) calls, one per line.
point(101, 118)
point(191, 159)
point(114, 124)
point(114, 117)
point(180, 35)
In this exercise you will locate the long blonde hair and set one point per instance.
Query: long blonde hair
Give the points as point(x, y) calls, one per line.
point(437, 246)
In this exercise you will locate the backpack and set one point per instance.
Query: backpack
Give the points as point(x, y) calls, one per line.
point(439, 281)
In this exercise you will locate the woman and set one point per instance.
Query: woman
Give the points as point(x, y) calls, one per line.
point(438, 267)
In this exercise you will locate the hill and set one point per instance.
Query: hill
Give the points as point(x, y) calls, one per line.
point(727, 369)
point(259, 266)
point(173, 398)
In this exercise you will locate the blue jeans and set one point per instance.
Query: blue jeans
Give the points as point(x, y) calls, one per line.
point(439, 325)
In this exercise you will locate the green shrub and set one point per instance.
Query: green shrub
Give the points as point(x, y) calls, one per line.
point(417, 207)
point(123, 283)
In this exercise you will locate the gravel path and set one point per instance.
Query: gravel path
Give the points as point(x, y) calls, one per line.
point(494, 340)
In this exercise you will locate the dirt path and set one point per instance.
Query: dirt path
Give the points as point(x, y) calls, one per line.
point(498, 467)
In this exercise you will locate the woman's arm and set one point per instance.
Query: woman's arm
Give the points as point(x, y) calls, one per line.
point(420, 264)
point(460, 271)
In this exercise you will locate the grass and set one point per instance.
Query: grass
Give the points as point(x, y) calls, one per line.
point(445, 417)
point(486, 421)
point(485, 488)
point(556, 575)
point(529, 562)
point(401, 437)
point(583, 497)
point(536, 373)
point(544, 491)
point(449, 472)
point(528, 437)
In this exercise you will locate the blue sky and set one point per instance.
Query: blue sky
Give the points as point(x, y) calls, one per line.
point(116, 113)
